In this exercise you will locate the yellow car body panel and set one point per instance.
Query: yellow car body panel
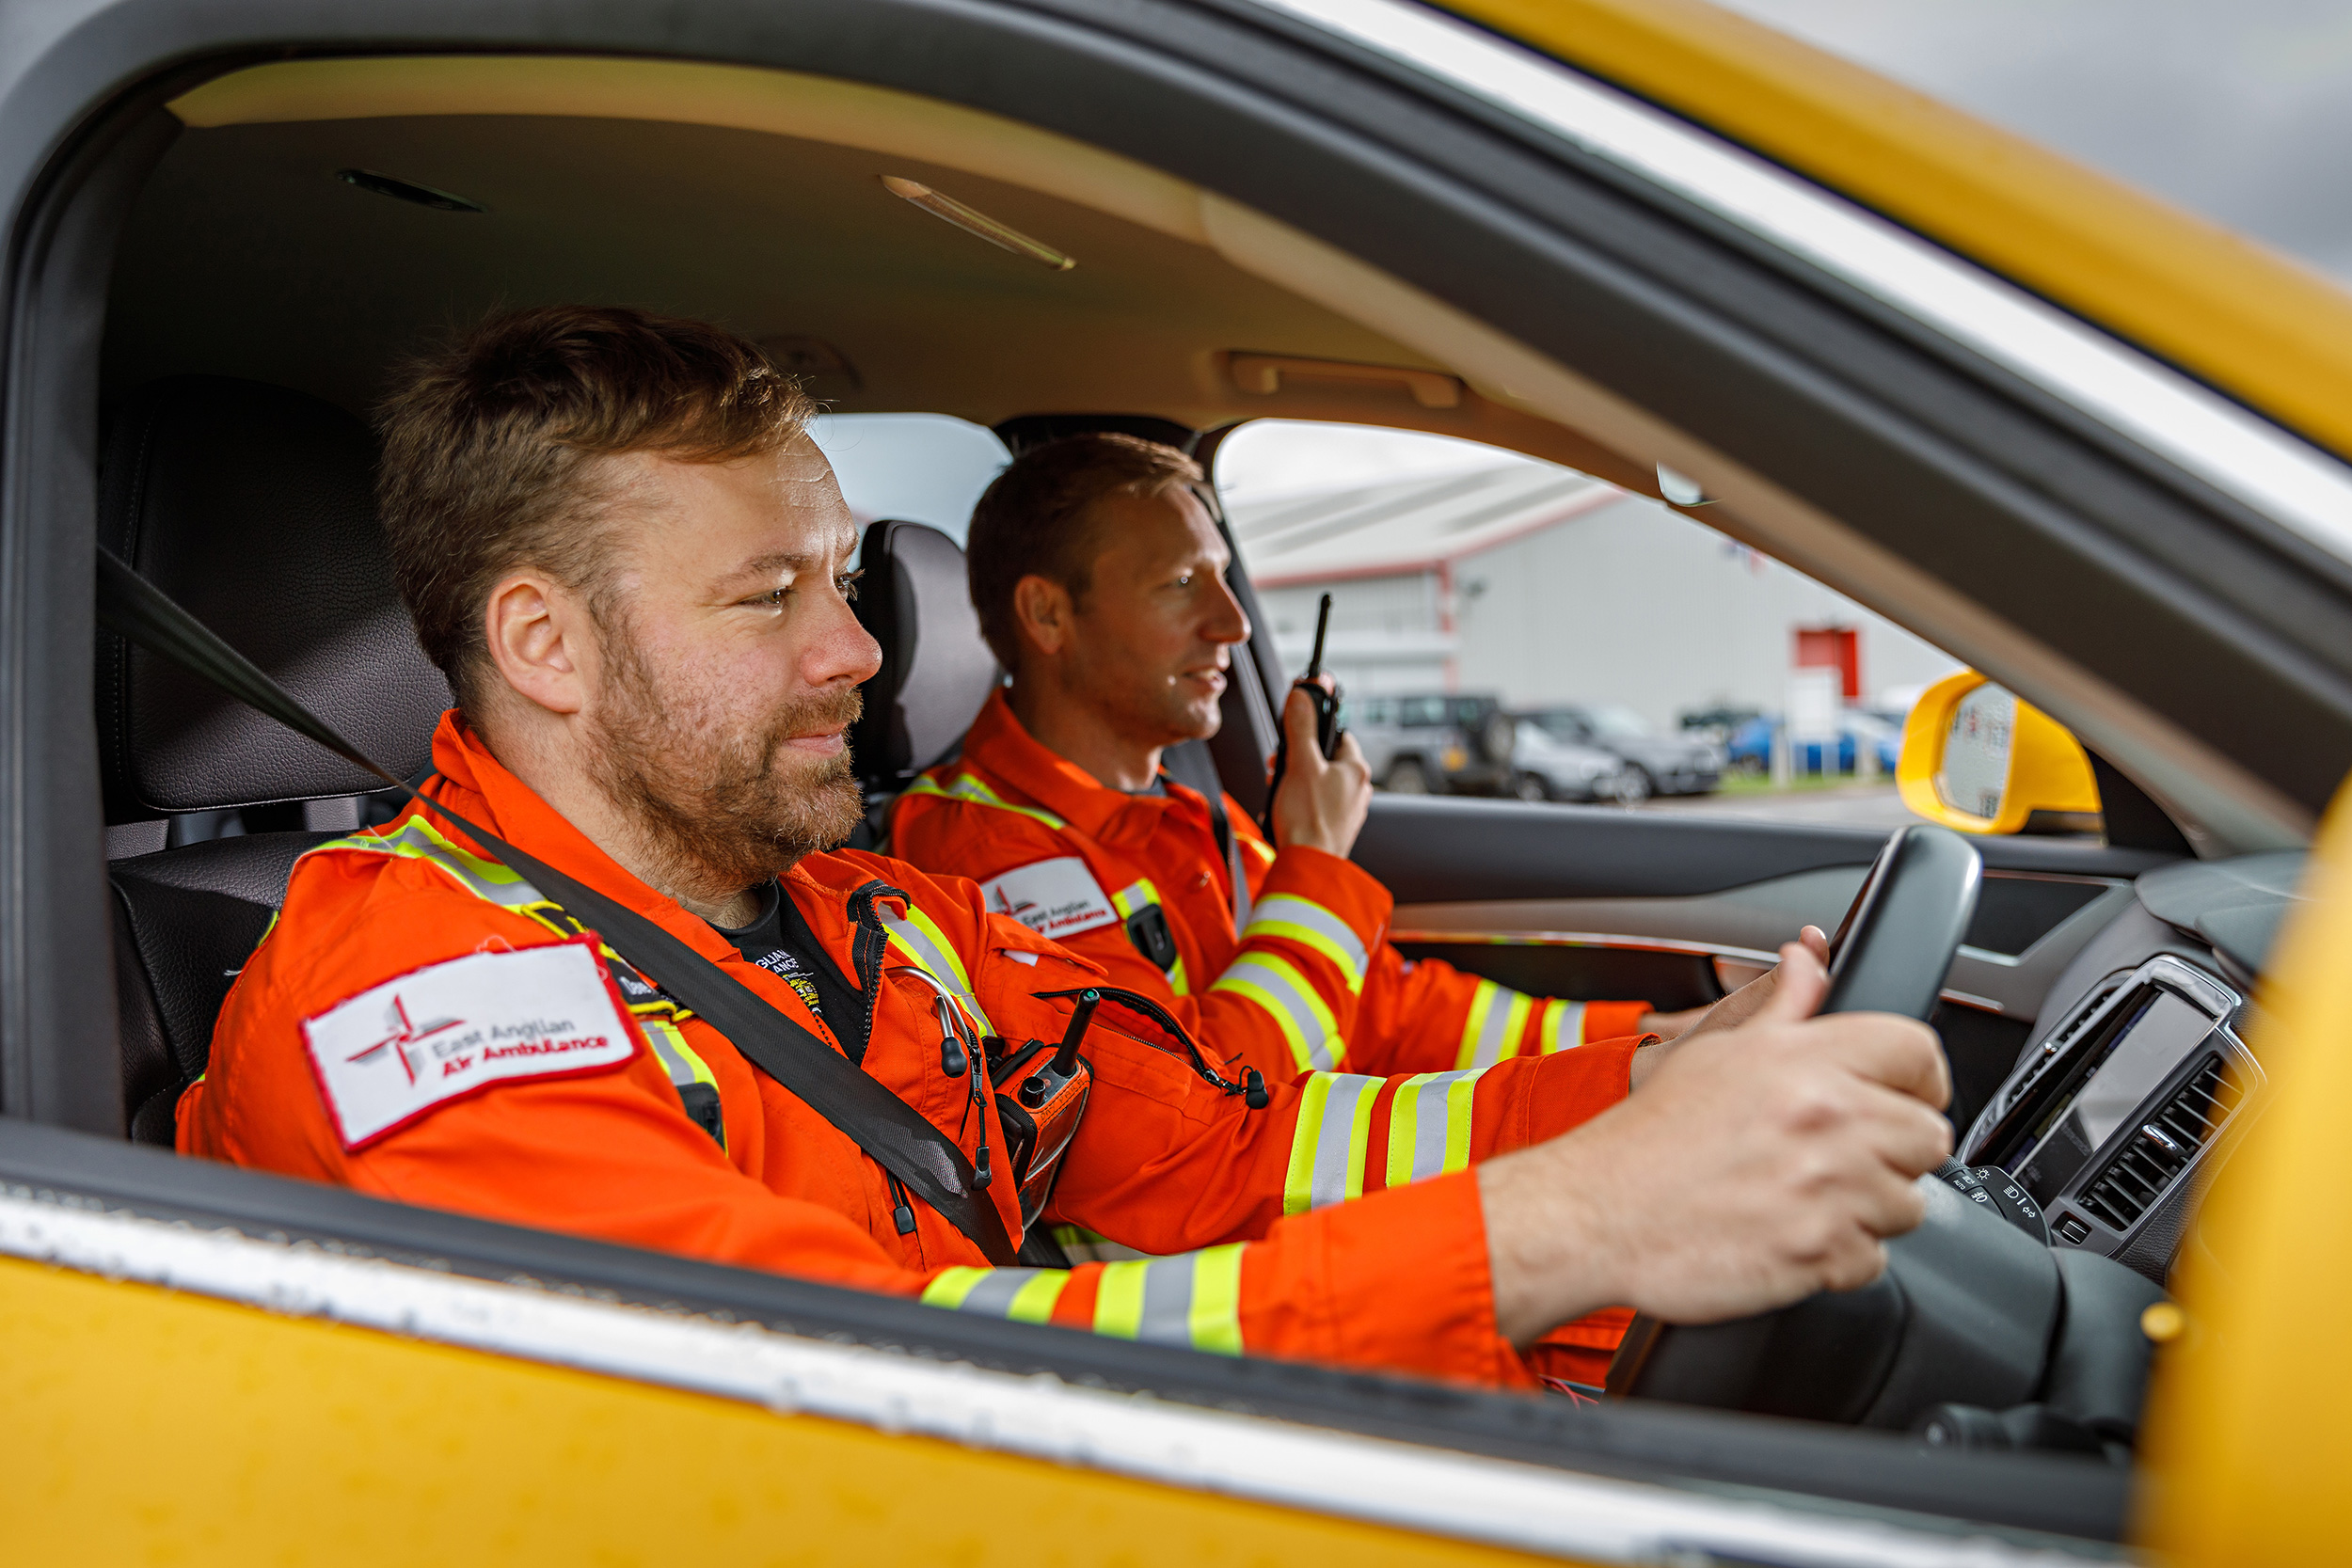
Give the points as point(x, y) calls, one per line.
point(149, 1426)
point(2254, 324)
point(2249, 1444)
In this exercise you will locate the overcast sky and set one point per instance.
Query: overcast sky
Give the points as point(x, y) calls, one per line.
point(2238, 109)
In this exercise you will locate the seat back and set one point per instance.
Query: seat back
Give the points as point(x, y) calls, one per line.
point(936, 668)
point(253, 506)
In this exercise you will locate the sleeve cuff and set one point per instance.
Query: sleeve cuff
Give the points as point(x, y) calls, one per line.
point(1400, 1281)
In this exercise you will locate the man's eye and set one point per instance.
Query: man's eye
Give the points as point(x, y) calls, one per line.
point(772, 600)
point(1185, 581)
point(846, 582)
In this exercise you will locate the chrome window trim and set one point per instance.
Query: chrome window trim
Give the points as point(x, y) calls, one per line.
point(2240, 454)
point(1285, 1463)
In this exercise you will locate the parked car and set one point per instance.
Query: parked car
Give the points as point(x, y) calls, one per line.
point(1750, 750)
point(1428, 744)
point(1718, 722)
point(1668, 764)
point(1546, 768)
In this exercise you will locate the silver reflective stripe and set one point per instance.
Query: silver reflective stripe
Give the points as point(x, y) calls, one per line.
point(1166, 1302)
point(658, 1034)
point(1286, 914)
point(1440, 1137)
point(1273, 984)
point(993, 1292)
point(1339, 1142)
point(940, 964)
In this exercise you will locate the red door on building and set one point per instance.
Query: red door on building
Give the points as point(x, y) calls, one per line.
point(1837, 648)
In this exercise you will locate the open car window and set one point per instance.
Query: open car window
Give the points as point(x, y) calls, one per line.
point(1639, 655)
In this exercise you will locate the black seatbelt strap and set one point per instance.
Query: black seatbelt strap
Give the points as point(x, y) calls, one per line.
point(885, 1126)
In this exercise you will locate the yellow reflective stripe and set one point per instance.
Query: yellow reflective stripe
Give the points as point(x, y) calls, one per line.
point(964, 787)
point(1137, 895)
point(1327, 1143)
point(924, 944)
point(1022, 1295)
point(1494, 1025)
point(1564, 1027)
point(1429, 1125)
point(1303, 921)
point(1118, 1300)
point(416, 839)
point(1279, 989)
point(1264, 850)
point(949, 1287)
point(1216, 1315)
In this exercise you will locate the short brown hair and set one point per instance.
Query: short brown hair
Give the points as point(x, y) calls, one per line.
point(1033, 521)
point(488, 447)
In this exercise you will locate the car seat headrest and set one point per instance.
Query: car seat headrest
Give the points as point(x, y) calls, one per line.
point(936, 669)
point(254, 507)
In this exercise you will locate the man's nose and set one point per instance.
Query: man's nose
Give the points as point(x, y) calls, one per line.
point(1229, 623)
point(840, 650)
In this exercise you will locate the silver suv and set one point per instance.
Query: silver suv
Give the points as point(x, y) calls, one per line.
point(1434, 743)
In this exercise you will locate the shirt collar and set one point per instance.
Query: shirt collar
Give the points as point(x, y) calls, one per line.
point(999, 743)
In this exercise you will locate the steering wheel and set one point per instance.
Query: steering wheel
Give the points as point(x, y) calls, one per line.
point(1904, 924)
point(1840, 1355)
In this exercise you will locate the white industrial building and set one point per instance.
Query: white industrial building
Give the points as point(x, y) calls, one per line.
point(1545, 585)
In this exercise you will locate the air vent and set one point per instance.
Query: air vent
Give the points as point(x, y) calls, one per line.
point(2055, 1046)
point(2153, 1158)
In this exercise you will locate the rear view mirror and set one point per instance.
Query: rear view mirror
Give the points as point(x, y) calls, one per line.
point(1978, 759)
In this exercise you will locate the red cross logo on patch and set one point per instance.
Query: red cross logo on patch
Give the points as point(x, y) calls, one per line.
point(404, 1034)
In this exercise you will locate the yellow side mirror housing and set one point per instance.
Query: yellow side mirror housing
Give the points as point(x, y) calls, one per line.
point(1978, 759)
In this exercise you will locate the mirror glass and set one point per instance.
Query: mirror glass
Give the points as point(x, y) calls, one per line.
point(1974, 771)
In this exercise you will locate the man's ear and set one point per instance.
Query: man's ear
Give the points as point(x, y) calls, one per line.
point(542, 639)
point(1044, 611)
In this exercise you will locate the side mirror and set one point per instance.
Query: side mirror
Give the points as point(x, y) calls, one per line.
point(1978, 759)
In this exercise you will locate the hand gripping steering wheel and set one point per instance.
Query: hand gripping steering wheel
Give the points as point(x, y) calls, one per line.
point(1838, 1354)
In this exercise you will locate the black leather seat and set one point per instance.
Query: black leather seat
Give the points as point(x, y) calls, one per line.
point(936, 669)
point(252, 506)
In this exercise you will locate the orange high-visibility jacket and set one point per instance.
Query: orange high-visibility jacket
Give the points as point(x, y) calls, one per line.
point(1310, 984)
point(419, 1024)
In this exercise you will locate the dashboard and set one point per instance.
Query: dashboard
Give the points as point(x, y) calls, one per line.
point(2126, 1100)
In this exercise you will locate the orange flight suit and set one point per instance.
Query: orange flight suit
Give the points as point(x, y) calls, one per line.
point(391, 929)
point(1278, 996)
point(1307, 989)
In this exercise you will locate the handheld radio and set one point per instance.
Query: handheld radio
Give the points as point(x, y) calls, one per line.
point(1328, 730)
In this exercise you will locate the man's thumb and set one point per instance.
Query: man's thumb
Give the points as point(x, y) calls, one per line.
point(1298, 718)
point(1799, 985)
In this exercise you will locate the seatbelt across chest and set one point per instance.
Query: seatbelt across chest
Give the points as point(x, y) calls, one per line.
point(885, 1126)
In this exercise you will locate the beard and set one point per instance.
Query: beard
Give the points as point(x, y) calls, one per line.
point(725, 805)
